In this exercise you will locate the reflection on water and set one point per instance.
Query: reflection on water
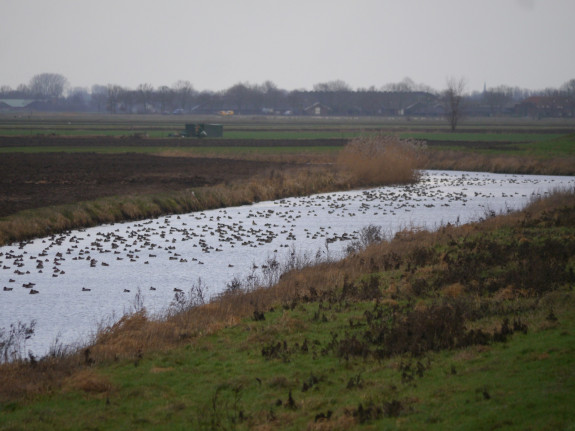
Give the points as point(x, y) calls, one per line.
point(84, 277)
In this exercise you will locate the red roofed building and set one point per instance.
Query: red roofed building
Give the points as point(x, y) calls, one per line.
point(546, 106)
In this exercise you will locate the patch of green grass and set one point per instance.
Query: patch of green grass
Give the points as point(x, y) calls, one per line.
point(55, 131)
point(515, 137)
point(225, 382)
point(523, 384)
point(559, 146)
point(539, 146)
point(240, 127)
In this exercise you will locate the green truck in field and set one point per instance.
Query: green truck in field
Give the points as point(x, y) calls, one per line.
point(202, 130)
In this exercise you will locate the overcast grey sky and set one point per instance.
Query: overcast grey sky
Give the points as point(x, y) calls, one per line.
point(293, 43)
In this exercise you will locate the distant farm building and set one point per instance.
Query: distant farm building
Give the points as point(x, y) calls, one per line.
point(546, 106)
point(19, 104)
point(317, 109)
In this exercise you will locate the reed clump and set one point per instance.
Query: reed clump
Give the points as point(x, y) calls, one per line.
point(382, 159)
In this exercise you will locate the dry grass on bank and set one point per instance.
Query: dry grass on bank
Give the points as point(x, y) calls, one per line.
point(301, 157)
point(499, 163)
point(276, 184)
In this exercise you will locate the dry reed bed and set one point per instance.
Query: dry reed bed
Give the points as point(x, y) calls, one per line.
point(382, 159)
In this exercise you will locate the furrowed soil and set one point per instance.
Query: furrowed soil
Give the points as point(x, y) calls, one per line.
point(29, 180)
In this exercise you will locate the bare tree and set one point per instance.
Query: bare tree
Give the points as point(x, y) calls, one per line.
point(22, 90)
point(114, 92)
point(239, 95)
point(50, 85)
point(164, 95)
point(569, 88)
point(5, 90)
point(497, 98)
point(271, 95)
point(405, 86)
point(78, 98)
point(332, 86)
point(184, 91)
point(127, 98)
point(144, 92)
point(453, 100)
point(99, 96)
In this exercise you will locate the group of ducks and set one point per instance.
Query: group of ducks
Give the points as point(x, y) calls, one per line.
point(217, 231)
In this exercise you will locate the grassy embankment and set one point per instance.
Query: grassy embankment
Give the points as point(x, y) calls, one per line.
point(469, 327)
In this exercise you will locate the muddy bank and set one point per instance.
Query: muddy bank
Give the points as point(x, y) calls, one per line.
point(30, 181)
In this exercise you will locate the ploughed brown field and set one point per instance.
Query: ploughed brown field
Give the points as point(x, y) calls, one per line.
point(37, 180)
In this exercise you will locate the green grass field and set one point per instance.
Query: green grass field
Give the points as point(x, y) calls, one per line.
point(224, 382)
point(246, 127)
point(540, 139)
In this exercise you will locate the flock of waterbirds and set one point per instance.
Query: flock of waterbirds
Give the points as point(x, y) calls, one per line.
point(188, 239)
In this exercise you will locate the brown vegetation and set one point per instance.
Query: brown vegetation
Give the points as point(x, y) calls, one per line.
point(382, 159)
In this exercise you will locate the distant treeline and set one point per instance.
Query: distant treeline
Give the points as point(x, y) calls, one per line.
point(52, 92)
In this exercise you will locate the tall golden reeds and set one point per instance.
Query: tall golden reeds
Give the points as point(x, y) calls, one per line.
point(382, 159)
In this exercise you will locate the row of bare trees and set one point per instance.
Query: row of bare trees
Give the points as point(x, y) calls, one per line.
point(337, 97)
